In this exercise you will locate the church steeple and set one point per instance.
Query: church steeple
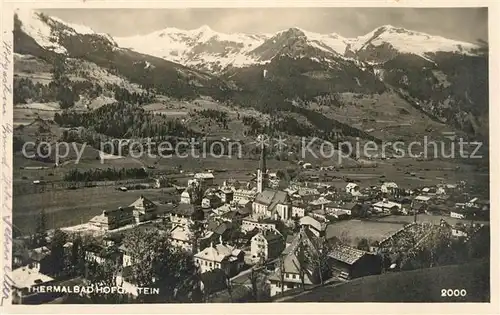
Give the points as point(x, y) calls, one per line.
point(262, 171)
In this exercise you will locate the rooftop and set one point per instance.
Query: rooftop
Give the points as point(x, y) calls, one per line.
point(217, 253)
point(346, 254)
point(204, 176)
point(25, 277)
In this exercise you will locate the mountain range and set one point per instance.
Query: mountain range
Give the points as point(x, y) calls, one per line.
point(324, 79)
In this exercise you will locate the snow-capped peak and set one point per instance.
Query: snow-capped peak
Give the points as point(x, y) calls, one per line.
point(203, 29)
point(45, 30)
point(408, 41)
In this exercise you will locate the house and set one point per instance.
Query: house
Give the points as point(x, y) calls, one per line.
point(113, 239)
point(215, 231)
point(25, 283)
point(422, 199)
point(476, 203)
point(39, 260)
point(248, 194)
point(387, 206)
point(267, 245)
point(180, 237)
point(185, 214)
point(307, 191)
point(144, 209)
point(127, 254)
point(292, 270)
point(249, 223)
point(186, 197)
point(113, 219)
point(348, 262)
point(298, 209)
point(341, 208)
point(272, 204)
point(223, 209)
point(460, 230)
point(226, 194)
point(319, 203)
point(210, 201)
point(236, 215)
point(457, 214)
point(315, 223)
point(206, 179)
point(100, 254)
point(420, 203)
point(429, 190)
point(388, 187)
point(352, 188)
point(220, 256)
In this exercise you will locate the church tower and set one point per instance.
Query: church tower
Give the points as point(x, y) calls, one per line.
point(262, 171)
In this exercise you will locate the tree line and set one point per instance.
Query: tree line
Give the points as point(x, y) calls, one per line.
point(123, 120)
point(76, 175)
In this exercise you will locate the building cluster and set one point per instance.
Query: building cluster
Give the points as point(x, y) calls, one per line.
point(235, 226)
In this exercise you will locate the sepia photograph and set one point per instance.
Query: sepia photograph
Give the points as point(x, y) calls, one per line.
point(249, 155)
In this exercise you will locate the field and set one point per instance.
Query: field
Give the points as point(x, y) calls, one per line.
point(434, 219)
point(422, 285)
point(354, 230)
point(72, 207)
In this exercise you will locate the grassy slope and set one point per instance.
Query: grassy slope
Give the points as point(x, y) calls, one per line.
point(413, 286)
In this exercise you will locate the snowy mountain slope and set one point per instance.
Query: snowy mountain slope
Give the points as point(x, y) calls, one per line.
point(396, 40)
point(47, 31)
point(213, 51)
point(203, 47)
point(444, 78)
point(49, 39)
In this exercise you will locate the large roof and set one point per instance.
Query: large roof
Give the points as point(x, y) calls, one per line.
point(204, 176)
point(270, 236)
point(346, 254)
point(25, 277)
point(271, 198)
point(143, 203)
point(216, 253)
point(180, 233)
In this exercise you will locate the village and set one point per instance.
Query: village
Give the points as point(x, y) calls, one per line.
point(260, 242)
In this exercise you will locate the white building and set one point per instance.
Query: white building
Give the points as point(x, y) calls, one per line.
point(457, 215)
point(352, 188)
point(180, 237)
point(220, 256)
point(388, 187)
point(315, 223)
point(186, 197)
point(387, 206)
point(207, 179)
point(249, 223)
point(267, 245)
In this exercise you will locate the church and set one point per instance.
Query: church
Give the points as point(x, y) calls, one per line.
point(269, 203)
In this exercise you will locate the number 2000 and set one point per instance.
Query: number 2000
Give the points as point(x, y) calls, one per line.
point(453, 292)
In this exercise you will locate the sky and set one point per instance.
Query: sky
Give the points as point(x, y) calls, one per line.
point(466, 24)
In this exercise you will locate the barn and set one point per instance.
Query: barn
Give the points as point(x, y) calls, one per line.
point(348, 262)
